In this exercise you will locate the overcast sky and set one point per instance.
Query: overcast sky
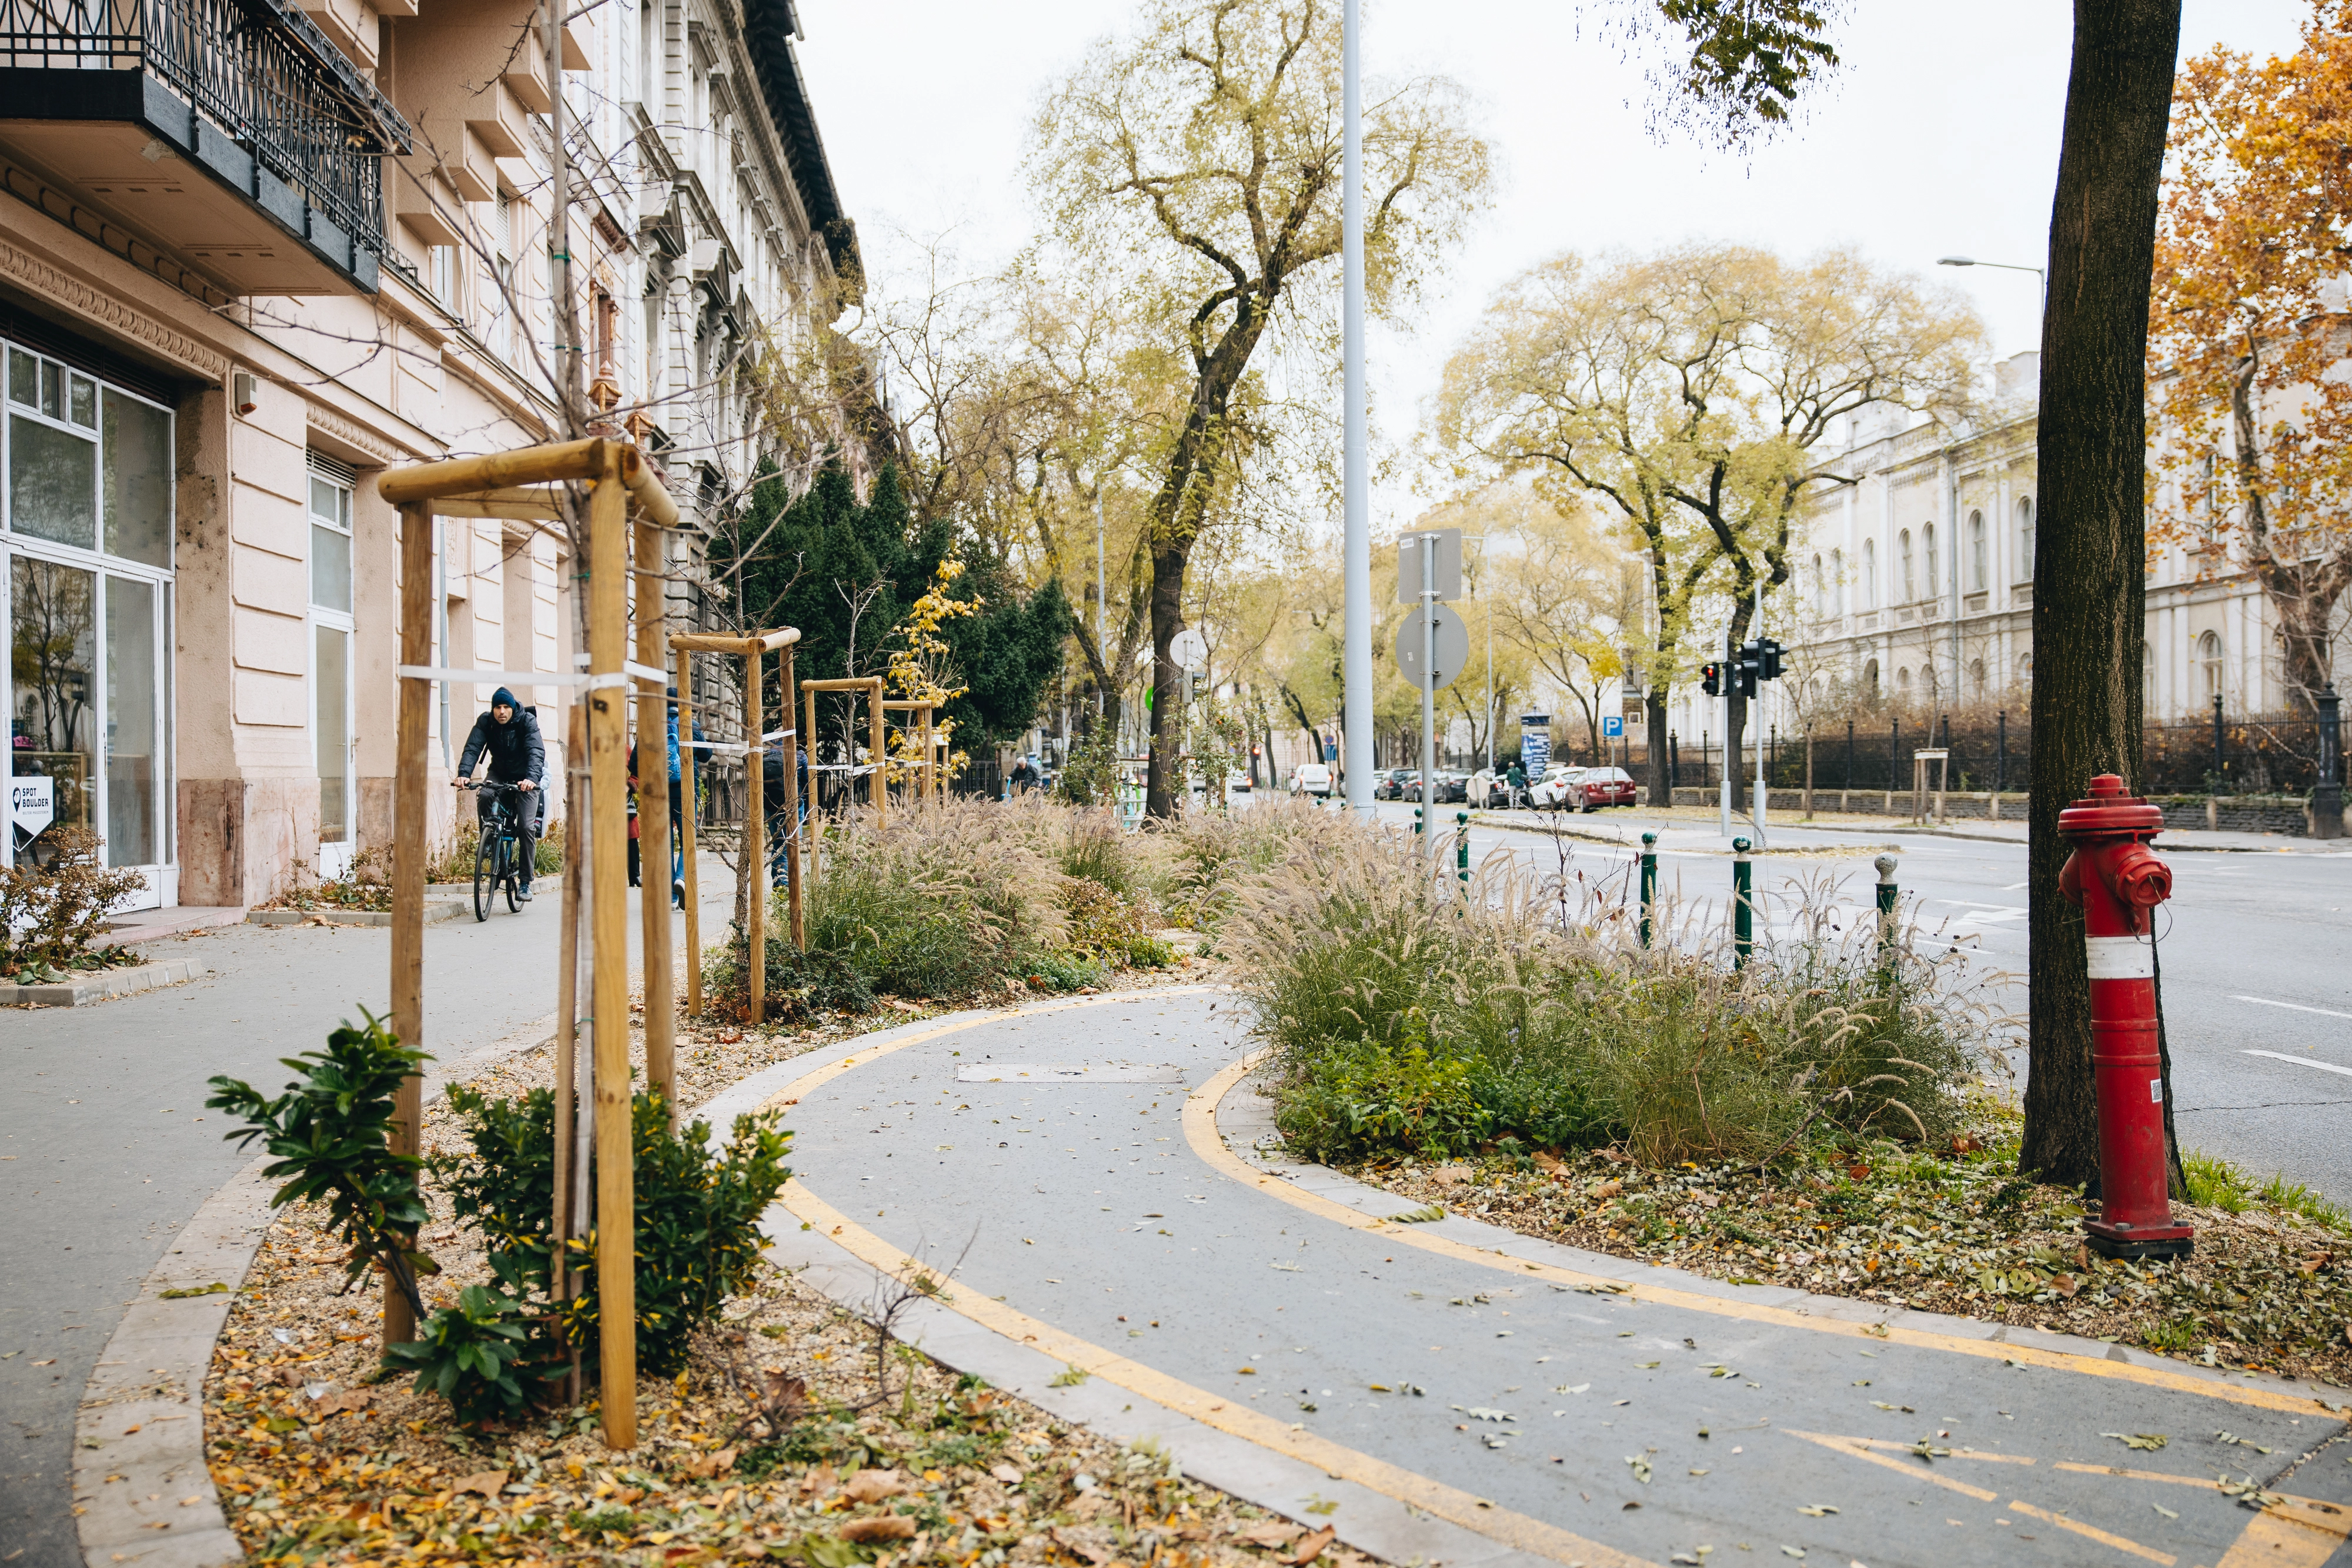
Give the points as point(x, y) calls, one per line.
point(1940, 136)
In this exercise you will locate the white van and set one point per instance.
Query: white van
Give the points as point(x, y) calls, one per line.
point(1311, 779)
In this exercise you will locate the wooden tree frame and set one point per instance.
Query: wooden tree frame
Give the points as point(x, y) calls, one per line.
point(503, 486)
point(927, 708)
point(871, 687)
point(752, 651)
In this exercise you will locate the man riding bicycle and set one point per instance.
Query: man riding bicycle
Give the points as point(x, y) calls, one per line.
point(508, 738)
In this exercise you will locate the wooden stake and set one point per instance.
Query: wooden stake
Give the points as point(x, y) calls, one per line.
point(930, 755)
point(792, 857)
point(653, 824)
point(408, 857)
point(881, 773)
point(755, 912)
point(617, 1284)
point(568, 1209)
point(816, 794)
point(687, 795)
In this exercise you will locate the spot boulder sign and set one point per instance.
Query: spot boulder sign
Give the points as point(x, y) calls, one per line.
point(32, 806)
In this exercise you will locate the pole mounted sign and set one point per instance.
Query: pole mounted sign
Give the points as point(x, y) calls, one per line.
point(1534, 743)
point(1452, 640)
point(1444, 548)
point(1612, 726)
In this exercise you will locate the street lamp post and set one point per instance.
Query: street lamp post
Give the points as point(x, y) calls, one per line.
point(1356, 469)
point(2041, 276)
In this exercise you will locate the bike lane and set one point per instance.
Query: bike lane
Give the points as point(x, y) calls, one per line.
point(1063, 1166)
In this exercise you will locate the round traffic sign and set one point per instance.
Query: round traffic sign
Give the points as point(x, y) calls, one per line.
point(1453, 641)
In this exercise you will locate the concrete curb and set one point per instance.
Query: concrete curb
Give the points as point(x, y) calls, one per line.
point(1369, 1520)
point(105, 985)
point(1897, 830)
point(140, 1428)
point(435, 912)
point(1246, 1122)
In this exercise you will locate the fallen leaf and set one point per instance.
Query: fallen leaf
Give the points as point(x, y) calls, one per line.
point(489, 1483)
point(2164, 1510)
point(873, 1486)
point(1818, 1510)
point(1267, 1533)
point(1641, 1464)
point(2146, 1442)
point(348, 1399)
point(1006, 1474)
point(880, 1526)
point(1308, 1550)
point(1796, 1551)
point(1071, 1542)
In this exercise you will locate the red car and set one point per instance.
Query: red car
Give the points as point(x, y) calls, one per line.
point(1598, 787)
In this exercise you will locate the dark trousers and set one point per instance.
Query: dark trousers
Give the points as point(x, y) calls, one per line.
point(530, 816)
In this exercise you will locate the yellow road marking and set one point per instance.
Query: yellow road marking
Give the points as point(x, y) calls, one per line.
point(2276, 1540)
point(1471, 1512)
point(1859, 1449)
point(1201, 1132)
point(2104, 1538)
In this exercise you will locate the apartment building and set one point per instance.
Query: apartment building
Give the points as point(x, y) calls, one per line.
point(253, 254)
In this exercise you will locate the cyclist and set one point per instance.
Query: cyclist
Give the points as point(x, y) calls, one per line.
point(506, 737)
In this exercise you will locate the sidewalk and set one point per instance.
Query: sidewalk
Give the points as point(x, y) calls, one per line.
point(1556, 1403)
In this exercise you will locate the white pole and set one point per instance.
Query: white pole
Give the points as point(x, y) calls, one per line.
point(1357, 663)
point(1759, 718)
point(1428, 693)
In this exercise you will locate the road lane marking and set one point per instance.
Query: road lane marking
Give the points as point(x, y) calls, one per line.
point(1859, 1449)
point(2300, 1062)
point(2104, 1538)
point(1201, 1132)
point(2292, 1006)
point(1471, 1512)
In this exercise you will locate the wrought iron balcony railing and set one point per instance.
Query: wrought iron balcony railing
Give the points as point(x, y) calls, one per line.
point(261, 73)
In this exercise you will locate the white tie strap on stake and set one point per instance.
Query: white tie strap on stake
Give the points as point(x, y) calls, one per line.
point(488, 677)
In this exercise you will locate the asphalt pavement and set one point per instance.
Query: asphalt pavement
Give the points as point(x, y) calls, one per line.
point(106, 1148)
point(1046, 1159)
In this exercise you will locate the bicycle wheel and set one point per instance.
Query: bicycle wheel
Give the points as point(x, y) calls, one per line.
point(511, 872)
point(486, 870)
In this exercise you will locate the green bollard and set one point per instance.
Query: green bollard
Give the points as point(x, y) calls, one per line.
point(1885, 864)
point(1416, 821)
point(1649, 882)
point(1461, 846)
point(1743, 908)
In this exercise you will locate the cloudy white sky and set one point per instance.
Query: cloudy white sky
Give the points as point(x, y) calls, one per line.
point(1940, 136)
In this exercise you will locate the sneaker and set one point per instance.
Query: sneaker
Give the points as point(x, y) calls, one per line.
point(678, 894)
point(524, 892)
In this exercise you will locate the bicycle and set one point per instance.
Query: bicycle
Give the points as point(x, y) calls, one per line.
point(498, 863)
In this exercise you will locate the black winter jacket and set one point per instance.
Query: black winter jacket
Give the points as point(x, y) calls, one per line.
point(515, 750)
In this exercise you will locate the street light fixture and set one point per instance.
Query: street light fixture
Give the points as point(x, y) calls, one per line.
point(2040, 276)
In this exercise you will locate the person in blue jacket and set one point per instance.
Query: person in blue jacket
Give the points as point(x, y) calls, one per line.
point(508, 738)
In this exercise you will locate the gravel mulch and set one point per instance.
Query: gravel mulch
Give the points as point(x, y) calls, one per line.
point(1953, 1230)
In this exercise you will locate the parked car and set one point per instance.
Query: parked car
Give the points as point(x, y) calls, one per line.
point(1604, 787)
point(1553, 791)
point(1451, 788)
point(1311, 779)
point(1397, 784)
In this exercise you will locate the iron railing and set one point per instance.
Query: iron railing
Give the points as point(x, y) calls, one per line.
point(264, 74)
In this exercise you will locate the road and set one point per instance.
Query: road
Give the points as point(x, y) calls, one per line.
point(1662, 1423)
point(106, 1148)
point(2256, 953)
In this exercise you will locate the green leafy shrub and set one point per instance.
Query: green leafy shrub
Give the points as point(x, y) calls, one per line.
point(330, 1135)
point(475, 1354)
point(696, 1216)
point(1062, 971)
point(798, 985)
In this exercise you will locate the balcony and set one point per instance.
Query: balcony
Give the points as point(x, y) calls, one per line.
point(229, 138)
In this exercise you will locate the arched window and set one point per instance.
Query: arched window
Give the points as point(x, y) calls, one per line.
point(1870, 678)
point(1928, 548)
point(1909, 578)
point(1837, 581)
point(1869, 575)
point(1976, 552)
point(2209, 659)
point(1903, 683)
point(2024, 538)
point(2025, 669)
point(1977, 672)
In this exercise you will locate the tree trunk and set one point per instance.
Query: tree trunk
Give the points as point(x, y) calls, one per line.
point(1662, 790)
point(2304, 594)
point(2091, 545)
point(1162, 778)
point(1743, 610)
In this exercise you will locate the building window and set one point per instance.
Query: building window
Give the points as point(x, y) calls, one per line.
point(444, 276)
point(87, 510)
point(1935, 573)
point(331, 484)
point(1904, 565)
point(1837, 580)
point(2208, 660)
point(1870, 680)
point(1870, 574)
point(1813, 590)
point(1976, 552)
point(2024, 538)
point(1903, 683)
point(1976, 678)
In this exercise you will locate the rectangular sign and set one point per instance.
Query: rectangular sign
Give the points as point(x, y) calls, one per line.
point(32, 805)
point(1445, 562)
point(1612, 726)
point(1534, 743)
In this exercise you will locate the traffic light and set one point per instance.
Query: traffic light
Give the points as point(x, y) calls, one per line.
point(1771, 652)
point(1747, 667)
point(1710, 679)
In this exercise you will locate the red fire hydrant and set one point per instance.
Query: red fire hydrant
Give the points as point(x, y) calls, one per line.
point(2118, 880)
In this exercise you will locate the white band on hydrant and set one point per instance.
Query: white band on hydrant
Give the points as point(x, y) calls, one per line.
point(2120, 959)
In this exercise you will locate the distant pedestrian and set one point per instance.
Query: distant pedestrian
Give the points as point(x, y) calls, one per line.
point(1518, 781)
